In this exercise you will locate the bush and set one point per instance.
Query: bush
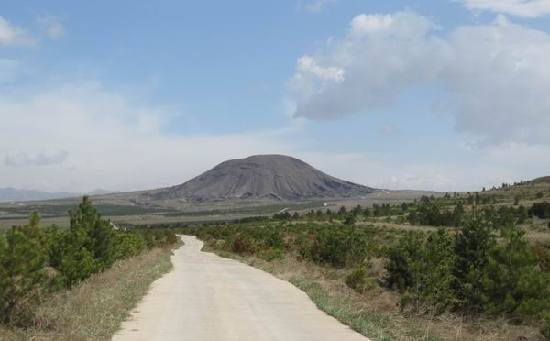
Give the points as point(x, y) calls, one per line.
point(472, 273)
point(271, 254)
point(421, 268)
point(243, 244)
point(472, 247)
point(350, 220)
point(359, 281)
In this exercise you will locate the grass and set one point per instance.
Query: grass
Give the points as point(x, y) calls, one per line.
point(376, 326)
point(95, 309)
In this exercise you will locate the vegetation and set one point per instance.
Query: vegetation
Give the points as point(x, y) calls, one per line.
point(93, 309)
point(37, 262)
point(478, 263)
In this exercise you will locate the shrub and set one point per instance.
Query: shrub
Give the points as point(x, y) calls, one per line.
point(421, 268)
point(514, 285)
point(243, 244)
point(350, 220)
point(472, 273)
point(472, 246)
point(359, 281)
point(271, 254)
point(401, 265)
point(128, 244)
point(330, 246)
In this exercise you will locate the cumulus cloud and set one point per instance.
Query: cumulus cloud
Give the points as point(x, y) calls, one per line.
point(52, 26)
point(522, 8)
point(494, 77)
point(12, 35)
point(42, 158)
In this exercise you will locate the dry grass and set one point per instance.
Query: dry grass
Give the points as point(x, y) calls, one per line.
point(94, 309)
point(376, 313)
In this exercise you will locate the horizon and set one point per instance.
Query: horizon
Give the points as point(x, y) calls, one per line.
point(100, 191)
point(447, 96)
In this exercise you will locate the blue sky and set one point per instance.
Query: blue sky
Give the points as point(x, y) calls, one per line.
point(121, 95)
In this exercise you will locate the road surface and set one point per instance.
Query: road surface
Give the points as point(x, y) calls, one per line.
point(207, 297)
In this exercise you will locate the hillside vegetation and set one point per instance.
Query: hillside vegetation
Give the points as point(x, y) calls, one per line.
point(403, 271)
point(36, 263)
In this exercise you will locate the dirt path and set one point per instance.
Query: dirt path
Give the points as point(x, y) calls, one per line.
point(207, 297)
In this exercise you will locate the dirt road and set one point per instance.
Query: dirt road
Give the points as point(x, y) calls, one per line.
point(207, 297)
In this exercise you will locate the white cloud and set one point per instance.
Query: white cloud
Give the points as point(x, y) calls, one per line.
point(521, 8)
point(12, 35)
point(495, 77)
point(41, 158)
point(316, 6)
point(52, 26)
point(307, 64)
point(370, 23)
point(90, 138)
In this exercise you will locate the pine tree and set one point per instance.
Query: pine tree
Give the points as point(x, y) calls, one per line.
point(472, 246)
point(99, 233)
point(22, 272)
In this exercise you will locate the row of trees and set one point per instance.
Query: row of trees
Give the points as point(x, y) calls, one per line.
point(36, 261)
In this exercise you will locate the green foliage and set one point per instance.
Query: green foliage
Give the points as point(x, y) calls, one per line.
point(430, 212)
point(128, 245)
point(35, 261)
point(359, 281)
point(339, 247)
point(421, 268)
point(350, 220)
point(22, 274)
point(92, 233)
point(472, 247)
point(475, 272)
point(541, 210)
point(515, 286)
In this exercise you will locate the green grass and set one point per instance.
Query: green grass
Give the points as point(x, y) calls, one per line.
point(375, 325)
point(95, 309)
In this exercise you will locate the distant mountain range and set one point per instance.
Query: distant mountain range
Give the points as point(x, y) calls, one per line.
point(16, 195)
point(260, 177)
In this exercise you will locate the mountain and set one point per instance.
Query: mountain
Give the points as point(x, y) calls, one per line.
point(260, 177)
point(13, 194)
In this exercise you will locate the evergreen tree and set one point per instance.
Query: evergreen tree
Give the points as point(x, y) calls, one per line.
point(22, 272)
point(472, 247)
point(98, 231)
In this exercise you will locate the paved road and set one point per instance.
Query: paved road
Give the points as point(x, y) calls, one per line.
point(207, 297)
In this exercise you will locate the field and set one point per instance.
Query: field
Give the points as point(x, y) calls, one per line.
point(123, 210)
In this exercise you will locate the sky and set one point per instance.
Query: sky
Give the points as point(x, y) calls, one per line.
point(447, 95)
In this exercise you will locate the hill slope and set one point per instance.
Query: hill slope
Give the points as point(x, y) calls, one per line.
point(272, 177)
